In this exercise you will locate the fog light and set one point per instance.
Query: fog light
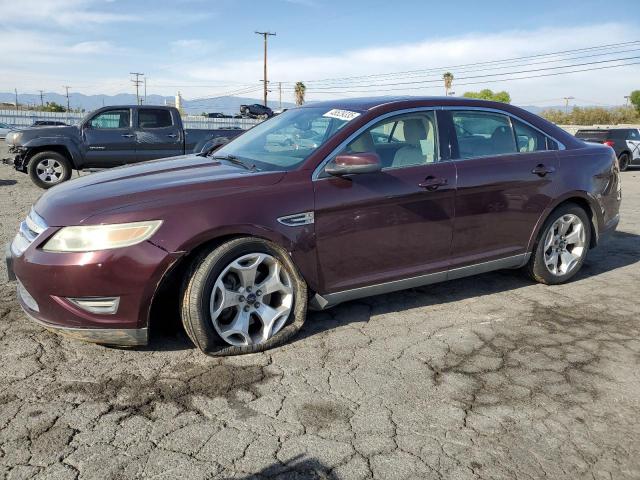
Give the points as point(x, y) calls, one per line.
point(26, 298)
point(100, 305)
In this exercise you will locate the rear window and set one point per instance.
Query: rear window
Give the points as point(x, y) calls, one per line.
point(593, 134)
point(154, 118)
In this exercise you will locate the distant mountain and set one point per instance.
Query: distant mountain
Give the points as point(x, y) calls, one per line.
point(228, 105)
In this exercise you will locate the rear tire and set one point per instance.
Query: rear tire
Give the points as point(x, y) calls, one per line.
point(223, 276)
point(562, 245)
point(48, 169)
point(624, 162)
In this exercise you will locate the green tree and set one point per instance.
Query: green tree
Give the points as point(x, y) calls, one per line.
point(634, 97)
point(53, 107)
point(488, 94)
point(448, 82)
point(299, 91)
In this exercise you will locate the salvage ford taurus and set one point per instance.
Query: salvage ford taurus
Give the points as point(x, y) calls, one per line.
point(317, 206)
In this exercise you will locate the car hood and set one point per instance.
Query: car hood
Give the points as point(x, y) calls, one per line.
point(24, 135)
point(154, 183)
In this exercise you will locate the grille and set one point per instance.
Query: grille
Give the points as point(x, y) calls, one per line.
point(30, 229)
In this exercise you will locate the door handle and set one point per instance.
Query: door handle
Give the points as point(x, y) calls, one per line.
point(127, 135)
point(432, 183)
point(172, 135)
point(541, 170)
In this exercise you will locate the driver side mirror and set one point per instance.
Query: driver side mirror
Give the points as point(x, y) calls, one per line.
point(353, 163)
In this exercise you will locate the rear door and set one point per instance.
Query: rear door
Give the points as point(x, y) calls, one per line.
point(158, 134)
point(506, 170)
point(394, 224)
point(633, 142)
point(109, 139)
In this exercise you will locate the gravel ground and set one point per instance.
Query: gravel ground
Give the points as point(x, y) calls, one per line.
point(487, 377)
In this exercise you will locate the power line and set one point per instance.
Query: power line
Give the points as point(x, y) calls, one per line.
point(491, 62)
point(555, 74)
point(438, 80)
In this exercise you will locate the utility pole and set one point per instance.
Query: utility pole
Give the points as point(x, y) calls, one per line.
point(265, 35)
point(145, 90)
point(280, 93)
point(626, 97)
point(137, 82)
point(566, 104)
point(67, 87)
point(16, 92)
point(41, 98)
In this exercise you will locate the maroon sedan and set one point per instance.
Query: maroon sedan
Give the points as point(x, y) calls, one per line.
point(320, 205)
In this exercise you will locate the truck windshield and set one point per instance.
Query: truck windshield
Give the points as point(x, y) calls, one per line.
point(287, 140)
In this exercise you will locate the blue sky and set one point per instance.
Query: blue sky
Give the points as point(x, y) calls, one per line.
point(207, 48)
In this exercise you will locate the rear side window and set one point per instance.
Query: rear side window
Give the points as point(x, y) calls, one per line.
point(111, 119)
point(529, 139)
point(154, 118)
point(482, 134)
point(593, 135)
point(634, 135)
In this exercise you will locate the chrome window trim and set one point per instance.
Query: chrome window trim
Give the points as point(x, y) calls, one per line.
point(318, 170)
point(561, 146)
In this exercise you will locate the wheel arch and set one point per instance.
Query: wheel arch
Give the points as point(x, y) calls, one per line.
point(582, 199)
point(61, 149)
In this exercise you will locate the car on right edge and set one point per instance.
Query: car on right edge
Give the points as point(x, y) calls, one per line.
point(625, 142)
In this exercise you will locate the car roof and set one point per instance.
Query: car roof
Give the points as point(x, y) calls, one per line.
point(369, 103)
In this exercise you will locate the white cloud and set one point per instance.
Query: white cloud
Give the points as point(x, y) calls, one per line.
point(65, 13)
point(463, 49)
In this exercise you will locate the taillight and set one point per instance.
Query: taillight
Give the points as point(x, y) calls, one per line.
point(609, 143)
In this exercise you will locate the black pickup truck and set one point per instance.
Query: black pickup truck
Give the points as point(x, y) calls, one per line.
point(108, 137)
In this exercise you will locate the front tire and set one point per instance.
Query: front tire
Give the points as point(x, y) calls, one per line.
point(562, 246)
point(624, 161)
point(244, 296)
point(48, 169)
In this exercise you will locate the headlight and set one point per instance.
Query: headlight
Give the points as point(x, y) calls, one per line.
point(101, 237)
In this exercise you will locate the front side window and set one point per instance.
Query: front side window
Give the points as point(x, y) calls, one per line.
point(111, 119)
point(529, 139)
point(482, 134)
point(634, 135)
point(402, 141)
point(154, 118)
point(285, 141)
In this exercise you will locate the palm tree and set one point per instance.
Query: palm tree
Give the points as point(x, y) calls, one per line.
point(448, 81)
point(299, 90)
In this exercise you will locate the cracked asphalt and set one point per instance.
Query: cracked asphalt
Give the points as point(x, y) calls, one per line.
point(490, 377)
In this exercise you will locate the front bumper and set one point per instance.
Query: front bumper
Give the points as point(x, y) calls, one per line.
point(48, 282)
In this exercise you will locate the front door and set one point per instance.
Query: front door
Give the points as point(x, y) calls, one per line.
point(506, 172)
point(109, 139)
point(158, 134)
point(394, 224)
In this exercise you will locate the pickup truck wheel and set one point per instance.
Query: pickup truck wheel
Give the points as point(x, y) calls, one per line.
point(245, 296)
point(562, 246)
point(48, 169)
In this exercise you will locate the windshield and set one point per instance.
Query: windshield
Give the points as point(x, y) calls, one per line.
point(285, 141)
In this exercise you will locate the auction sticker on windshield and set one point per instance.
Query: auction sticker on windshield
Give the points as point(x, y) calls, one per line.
point(347, 115)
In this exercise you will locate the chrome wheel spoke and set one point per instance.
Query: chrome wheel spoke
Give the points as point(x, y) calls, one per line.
point(567, 259)
point(576, 235)
point(269, 317)
point(246, 268)
point(552, 263)
point(273, 283)
point(238, 328)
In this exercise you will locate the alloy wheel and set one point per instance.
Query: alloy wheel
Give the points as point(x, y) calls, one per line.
point(49, 170)
point(251, 300)
point(564, 245)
